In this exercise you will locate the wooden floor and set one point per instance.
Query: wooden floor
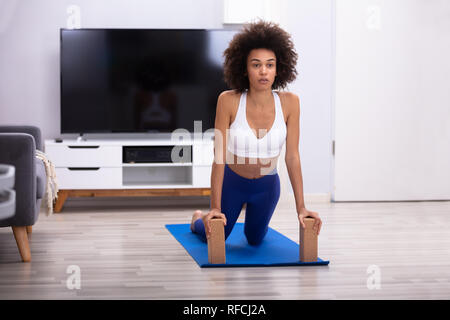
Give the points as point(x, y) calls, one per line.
point(124, 252)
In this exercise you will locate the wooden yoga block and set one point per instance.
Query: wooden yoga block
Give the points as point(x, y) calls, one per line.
point(216, 242)
point(308, 242)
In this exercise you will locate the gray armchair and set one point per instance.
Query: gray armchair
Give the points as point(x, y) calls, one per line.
point(18, 146)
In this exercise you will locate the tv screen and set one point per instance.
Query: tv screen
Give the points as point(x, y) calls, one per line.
point(140, 80)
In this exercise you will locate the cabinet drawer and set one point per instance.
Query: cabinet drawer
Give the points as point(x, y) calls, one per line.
point(85, 156)
point(89, 178)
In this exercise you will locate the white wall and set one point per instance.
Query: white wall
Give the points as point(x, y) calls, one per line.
point(29, 56)
point(311, 26)
point(29, 62)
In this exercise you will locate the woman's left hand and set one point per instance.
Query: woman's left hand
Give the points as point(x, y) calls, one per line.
point(304, 213)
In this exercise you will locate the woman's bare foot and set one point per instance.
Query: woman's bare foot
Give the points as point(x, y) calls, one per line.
point(197, 215)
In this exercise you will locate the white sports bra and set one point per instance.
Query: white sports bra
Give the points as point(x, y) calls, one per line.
point(242, 140)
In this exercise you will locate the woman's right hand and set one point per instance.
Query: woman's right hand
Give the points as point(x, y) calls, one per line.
point(214, 213)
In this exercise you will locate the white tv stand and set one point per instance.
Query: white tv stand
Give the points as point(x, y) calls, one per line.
point(95, 168)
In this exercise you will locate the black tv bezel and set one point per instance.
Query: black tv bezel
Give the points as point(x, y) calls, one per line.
point(61, 30)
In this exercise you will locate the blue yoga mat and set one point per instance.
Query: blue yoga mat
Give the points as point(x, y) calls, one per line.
point(275, 250)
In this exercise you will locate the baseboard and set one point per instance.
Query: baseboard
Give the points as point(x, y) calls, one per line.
point(288, 200)
point(318, 197)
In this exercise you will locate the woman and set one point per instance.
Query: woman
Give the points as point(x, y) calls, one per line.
point(252, 124)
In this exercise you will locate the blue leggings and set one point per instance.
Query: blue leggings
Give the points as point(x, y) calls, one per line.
point(261, 196)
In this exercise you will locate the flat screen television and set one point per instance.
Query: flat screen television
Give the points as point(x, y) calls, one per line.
point(140, 80)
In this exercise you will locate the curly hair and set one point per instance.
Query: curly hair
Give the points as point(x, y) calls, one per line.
point(260, 35)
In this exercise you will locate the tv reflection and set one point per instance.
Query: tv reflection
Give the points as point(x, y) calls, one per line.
point(155, 102)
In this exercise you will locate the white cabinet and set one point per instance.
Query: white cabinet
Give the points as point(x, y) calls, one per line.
point(98, 164)
point(198, 174)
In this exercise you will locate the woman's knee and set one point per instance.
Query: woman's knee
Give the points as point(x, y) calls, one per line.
point(255, 239)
